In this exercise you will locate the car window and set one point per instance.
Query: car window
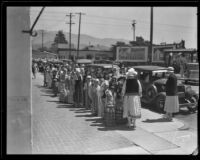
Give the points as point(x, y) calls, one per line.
point(158, 75)
point(160, 87)
point(144, 76)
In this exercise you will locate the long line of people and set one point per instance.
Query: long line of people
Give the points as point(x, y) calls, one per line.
point(81, 87)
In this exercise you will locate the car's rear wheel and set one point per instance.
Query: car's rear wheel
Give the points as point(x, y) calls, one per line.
point(160, 102)
point(151, 92)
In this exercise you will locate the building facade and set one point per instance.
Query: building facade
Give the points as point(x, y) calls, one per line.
point(41, 55)
point(19, 138)
point(85, 54)
point(138, 52)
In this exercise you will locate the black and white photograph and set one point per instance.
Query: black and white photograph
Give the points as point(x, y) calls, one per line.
point(102, 80)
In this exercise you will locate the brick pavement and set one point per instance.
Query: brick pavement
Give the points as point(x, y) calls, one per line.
point(62, 129)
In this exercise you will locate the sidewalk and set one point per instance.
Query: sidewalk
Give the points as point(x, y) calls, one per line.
point(62, 129)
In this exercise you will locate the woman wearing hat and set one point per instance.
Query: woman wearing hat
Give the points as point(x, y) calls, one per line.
point(104, 87)
point(132, 91)
point(78, 87)
point(93, 97)
point(171, 102)
point(87, 85)
point(96, 97)
point(71, 87)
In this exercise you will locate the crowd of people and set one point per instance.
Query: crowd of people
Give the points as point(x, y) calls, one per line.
point(84, 87)
point(95, 90)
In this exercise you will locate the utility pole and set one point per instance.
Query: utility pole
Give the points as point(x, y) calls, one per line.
point(42, 40)
point(133, 25)
point(79, 29)
point(70, 23)
point(151, 36)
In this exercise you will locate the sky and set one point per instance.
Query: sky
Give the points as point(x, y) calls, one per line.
point(170, 24)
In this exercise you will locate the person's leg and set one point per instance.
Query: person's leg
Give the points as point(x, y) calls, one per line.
point(33, 75)
point(129, 122)
point(134, 122)
point(165, 115)
point(170, 116)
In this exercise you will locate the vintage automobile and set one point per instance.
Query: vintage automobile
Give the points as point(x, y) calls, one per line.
point(84, 61)
point(153, 80)
point(103, 61)
point(192, 74)
point(103, 68)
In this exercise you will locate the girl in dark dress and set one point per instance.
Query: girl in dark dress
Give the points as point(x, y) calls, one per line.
point(171, 102)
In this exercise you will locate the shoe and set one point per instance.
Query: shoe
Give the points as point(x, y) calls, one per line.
point(170, 119)
point(134, 126)
point(165, 116)
point(128, 125)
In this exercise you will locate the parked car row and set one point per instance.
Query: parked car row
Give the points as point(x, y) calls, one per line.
point(153, 80)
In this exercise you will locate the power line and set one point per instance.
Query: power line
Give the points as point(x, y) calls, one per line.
point(124, 25)
point(139, 28)
point(126, 19)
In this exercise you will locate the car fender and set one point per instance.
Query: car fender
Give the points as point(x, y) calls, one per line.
point(190, 93)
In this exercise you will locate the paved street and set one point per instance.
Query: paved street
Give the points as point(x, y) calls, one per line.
point(62, 129)
point(189, 119)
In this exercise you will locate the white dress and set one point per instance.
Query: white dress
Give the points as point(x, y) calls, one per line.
point(171, 104)
point(131, 104)
point(99, 109)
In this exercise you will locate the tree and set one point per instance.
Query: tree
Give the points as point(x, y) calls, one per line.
point(60, 38)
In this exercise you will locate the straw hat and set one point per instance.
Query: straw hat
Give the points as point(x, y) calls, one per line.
point(131, 73)
point(171, 68)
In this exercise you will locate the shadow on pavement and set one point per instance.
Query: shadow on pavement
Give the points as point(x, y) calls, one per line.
point(50, 95)
point(96, 120)
point(82, 110)
point(65, 106)
point(46, 91)
point(99, 122)
point(157, 120)
point(86, 115)
point(54, 101)
point(117, 127)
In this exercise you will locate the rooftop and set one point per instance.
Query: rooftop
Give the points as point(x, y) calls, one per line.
point(104, 65)
point(149, 67)
point(181, 50)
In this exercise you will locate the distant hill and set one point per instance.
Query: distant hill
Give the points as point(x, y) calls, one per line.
point(85, 40)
